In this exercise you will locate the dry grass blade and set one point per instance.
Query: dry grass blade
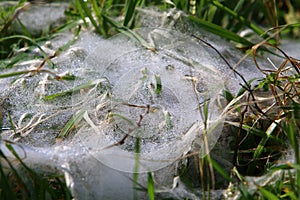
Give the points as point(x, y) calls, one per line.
point(293, 61)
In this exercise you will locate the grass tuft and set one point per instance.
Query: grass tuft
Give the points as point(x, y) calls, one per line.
point(19, 181)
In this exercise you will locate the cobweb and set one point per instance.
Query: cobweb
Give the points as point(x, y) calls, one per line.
point(156, 98)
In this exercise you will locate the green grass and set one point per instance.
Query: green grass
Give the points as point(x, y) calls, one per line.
point(18, 181)
point(258, 148)
point(261, 137)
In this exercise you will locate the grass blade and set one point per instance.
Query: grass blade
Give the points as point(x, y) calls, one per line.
point(264, 140)
point(158, 85)
point(150, 186)
point(24, 29)
point(218, 30)
point(14, 74)
point(7, 192)
point(220, 169)
point(129, 121)
point(25, 38)
point(292, 133)
point(252, 26)
point(289, 193)
point(88, 13)
point(267, 194)
point(43, 185)
point(71, 124)
point(20, 57)
point(168, 119)
point(81, 12)
point(70, 92)
point(14, 170)
point(129, 11)
point(136, 166)
point(131, 34)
